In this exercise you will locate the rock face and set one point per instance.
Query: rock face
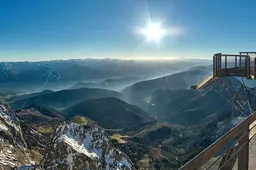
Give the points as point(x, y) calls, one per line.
point(76, 147)
point(13, 148)
point(72, 146)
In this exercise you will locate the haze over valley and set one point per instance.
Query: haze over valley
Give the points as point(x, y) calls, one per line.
point(127, 84)
point(149, 114)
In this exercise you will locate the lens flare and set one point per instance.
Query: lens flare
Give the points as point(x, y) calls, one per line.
point(153, 32)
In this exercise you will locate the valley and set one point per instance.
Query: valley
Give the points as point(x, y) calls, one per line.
point(157, 123)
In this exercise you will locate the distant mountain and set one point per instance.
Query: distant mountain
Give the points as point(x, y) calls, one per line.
point(84, 85)
point(120, 83)
point(61, 74)
point(78, 72)
point(45, 74)
point(111, 83)
point(25, 96)
point(119, 80)
point(206, 68)
point(109, 112)
point(183, 80)
point(146, 68)
point(183, 106)
point(64, 98)
point(7, 76)
point(170, 98)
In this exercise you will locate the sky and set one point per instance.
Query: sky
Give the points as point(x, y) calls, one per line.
point(71, 29)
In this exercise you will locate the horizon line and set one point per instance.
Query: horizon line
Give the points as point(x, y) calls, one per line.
point(114, 58)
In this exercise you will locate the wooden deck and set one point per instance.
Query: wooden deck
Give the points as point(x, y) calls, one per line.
point(242, 154)
point(244, 133)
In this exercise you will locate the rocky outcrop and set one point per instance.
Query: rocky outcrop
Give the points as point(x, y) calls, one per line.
point(76, 147)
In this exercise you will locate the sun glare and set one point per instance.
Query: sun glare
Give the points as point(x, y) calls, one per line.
point(153, 32)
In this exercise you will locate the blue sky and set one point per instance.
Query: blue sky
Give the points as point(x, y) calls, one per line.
point(64, 29)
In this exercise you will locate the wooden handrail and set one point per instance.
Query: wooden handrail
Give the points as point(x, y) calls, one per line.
point(197, 162)
point(232, 55)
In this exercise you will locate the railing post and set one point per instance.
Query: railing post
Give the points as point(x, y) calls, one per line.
point(236, 65)
point(254, 69)
point(240, 61)
point(249, 67)
point(219, 62)
point(235, 61)
point(214, 65)
point(226, 62)
point(243, 155)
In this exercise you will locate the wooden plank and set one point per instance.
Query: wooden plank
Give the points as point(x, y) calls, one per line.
point(213, 149)
point(243, 155)
point(233, 55)
point(248, 52)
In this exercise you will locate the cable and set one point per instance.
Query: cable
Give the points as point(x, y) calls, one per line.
point(235, 107)
point(246, 98)
point(235, 93)
point(226, 88)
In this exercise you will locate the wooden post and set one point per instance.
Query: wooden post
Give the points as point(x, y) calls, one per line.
point(240, 61)
point(236, 64)
point(226, 62)
point(245, 66)
point(249, 67)
point(254, 69)
point(214, 65)
point(243, 155)
point(219, 68)
point(235, 61)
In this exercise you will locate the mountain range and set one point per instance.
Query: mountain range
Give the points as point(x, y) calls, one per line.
point(62, 99)
point(60, 74)
point(158, 123)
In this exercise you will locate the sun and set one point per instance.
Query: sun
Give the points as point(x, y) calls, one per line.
point(153, 32)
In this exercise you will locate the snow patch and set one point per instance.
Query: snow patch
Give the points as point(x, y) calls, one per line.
point(78, 147)
point(111, 160)
point(3, 127)
point(91, 142)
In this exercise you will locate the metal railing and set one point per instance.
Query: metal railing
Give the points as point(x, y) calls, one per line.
point(231, 65)
point(253, 61)
point(235, 150)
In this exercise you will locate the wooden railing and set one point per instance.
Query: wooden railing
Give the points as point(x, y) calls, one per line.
point(240, 137)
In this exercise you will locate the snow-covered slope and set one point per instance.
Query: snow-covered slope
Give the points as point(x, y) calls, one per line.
point(76, 147)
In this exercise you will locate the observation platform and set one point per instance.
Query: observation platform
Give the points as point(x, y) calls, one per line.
point(236, 150)
point(241, 65)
